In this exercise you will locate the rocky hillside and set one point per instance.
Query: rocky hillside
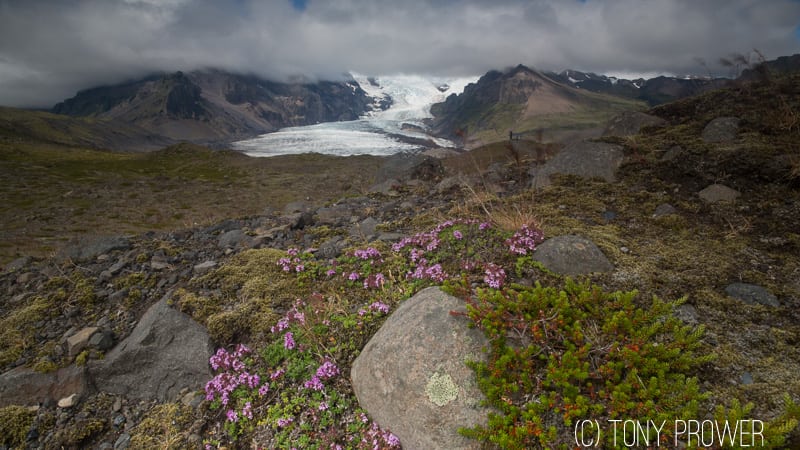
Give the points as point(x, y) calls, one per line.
point(214, 106)
point(653, 91)
point(651, 273)
point(524, 101)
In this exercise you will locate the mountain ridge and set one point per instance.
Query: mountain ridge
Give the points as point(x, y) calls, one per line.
point(521, 100)
point(212, 106)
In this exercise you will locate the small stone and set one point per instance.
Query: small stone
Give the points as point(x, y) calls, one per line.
point(158, 263)
point(117, 405)
point(192, 399)
point(719, 193)
point(572, 255)
point(117, 266)
point(204, 267)
point(68, 402)
point(195, 440)
point(671, 154)
point(25, 278)
point(119, 420)
point(624, 249)
point(123, 441)
point(78, 341)
point(721, 129)
point(365, 229)
point(746, 378)
point(752, 294)
point(686, 313)
point(33, 434)
point(664, 209)
point(102, 341)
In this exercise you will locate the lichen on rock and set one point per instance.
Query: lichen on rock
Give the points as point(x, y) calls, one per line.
point(440, 389)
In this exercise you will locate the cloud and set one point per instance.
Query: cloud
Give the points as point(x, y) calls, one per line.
point(51, 48)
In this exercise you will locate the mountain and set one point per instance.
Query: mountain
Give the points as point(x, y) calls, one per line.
point(522, 100)
point(654, 91)
point(213, 106)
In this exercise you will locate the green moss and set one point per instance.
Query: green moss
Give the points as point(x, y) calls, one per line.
point(82, 357)
point(15, 422)
point(45, 365)
point(80, 432)
point(83, 291)
point(17, 329)
point(166, 426)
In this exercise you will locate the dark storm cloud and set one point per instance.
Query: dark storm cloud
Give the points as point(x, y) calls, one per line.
point(49, 49)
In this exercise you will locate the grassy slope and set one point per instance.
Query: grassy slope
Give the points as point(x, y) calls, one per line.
point(52, 190)
point(593, 111)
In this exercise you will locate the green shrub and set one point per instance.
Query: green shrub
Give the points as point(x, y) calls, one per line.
point(560, 356)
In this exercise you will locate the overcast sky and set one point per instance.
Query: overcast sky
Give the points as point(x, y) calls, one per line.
point(51, 48)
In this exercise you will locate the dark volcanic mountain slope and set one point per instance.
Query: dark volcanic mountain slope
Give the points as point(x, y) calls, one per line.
point(215, 106)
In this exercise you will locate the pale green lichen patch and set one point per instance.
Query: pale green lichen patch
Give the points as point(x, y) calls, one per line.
point(440, 389)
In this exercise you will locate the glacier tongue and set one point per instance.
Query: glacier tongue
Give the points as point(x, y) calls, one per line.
point(378, 132)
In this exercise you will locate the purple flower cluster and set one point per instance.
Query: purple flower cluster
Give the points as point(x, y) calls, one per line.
point(428, 240)
point(377, 438)
point(314, 384)
point(326, 371)
point(368, 253)
point(525, 240)
point(233, 375)
point(229, 361)
point(288, 341)
point(378, 307)
point(284, 422)
point(294, 315)
point(374, 281)
point(495, 275)
point(422, 243)
point(292, 264)
point(423, 271)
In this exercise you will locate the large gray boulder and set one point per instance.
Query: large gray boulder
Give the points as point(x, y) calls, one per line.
point(572, 255)
point(721, 129)
point(584, 159)
point(412, 378)
point(166, 352)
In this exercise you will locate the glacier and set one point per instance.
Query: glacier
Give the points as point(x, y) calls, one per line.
point(400, 128)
